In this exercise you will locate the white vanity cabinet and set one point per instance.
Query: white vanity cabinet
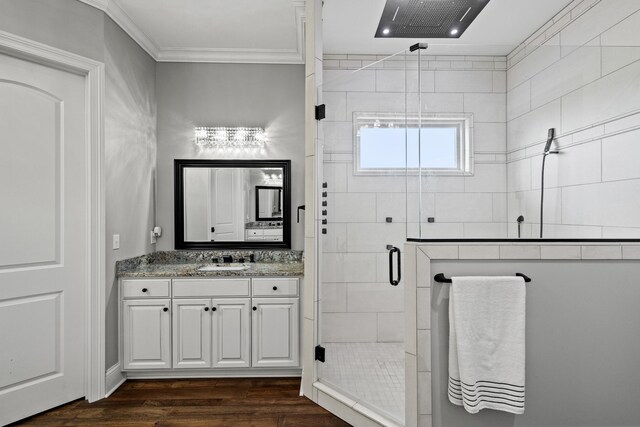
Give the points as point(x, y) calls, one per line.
point(183, 324)
point(146, 324)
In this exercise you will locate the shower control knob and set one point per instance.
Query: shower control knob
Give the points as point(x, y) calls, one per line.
point(324, 222)
point(144, 290)
point(324, 203)
point(324, 185)
point(324, 212)
point(324, 194)
point(324, 231)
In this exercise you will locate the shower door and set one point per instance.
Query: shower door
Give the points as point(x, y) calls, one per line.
point(371, 106)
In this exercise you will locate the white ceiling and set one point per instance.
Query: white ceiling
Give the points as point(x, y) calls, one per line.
point(271, 31)
point(349, 27)
point(264, 31)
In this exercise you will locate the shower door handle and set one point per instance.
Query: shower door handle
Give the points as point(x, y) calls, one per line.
point(392, 250)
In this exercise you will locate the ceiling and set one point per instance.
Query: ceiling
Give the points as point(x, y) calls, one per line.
point(349, 26)
point(264, 31)
point(271, 31)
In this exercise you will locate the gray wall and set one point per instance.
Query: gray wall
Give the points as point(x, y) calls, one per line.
point(130, 160)
point(66, 24)
point(582, 357)
point(130, 121)
point(192, 95)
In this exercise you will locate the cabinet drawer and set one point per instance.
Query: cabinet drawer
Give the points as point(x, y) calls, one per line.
point(145, 288)
point(210, 287)
point(253, 232)
point(273, 232)
point(283, 287)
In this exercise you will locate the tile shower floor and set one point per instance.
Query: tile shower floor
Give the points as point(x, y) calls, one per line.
point(371, 373)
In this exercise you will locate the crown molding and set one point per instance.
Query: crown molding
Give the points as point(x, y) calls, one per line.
point(160, 54)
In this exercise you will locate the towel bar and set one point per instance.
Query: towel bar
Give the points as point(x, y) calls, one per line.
point(440, 278)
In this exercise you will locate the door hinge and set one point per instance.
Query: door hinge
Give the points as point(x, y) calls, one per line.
point(320, 353)
point(320, 112)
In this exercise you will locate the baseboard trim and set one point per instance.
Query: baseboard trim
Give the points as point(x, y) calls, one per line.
point(115, 378)
point(231, 373)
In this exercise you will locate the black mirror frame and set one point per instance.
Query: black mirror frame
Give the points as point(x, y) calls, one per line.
point(266, 187)
point(178, 202)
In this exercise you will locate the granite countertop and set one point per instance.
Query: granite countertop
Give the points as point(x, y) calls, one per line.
point(187, 263)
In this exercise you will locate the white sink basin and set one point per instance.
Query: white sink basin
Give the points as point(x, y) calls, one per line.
point(232, 266)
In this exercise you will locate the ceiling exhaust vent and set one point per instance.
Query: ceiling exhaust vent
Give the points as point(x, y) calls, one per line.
point(434, 19)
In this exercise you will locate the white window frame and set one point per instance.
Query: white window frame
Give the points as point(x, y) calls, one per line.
point(463, 121)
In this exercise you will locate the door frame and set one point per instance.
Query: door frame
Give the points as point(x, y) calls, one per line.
point(95, 304)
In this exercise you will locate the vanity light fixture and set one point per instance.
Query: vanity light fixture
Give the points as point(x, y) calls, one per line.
point(228, 137)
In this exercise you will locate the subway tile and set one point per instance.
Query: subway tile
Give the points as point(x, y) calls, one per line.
point(560, 252)
point(411, 390)
point(527, 204)
point(499, 207)
point(467, 207)
point(338, 136)
point(479, 252)
point(376, 184)
point(620, 154)
point(390, 81)
point(351, 207)
point(519, 100)
point(487, 178)
point(436, 103)
point(336, 239)
point(373, 237)
point(532, 64)
point(519, 175)
point(375, 102)
point(621, 232)
point(519, 252)
point(423, 304)
point(374, 298)
point(335, 175)
point(336, 106)
point(602, 204)
point(617, 57)
point(601, 252)
point(424, 351)
point(390, 327)
point(575, 70)
point(595, 21)
point(425, 421)
point(500, 79)
point(441, 251)
point(561, 231)
point(441, 230)
point(606, 98)
point(624, 123)
point(486, 107)
point(347, 80)
point(490, 137)
point(464, 81)
point(580, 164)
point(424, 393)
point(333, 298)
point(532, 127)
point(489, 230)
point(631, 252)
point(349, 327)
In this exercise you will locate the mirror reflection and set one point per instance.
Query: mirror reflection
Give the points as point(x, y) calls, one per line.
point(229, 204)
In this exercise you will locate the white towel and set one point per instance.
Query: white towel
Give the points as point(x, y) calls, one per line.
point(486, 343)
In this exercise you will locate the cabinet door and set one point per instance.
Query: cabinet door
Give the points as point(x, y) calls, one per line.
point(230, 333)
point(192, 333)
point(146, 333)
point(275, 341)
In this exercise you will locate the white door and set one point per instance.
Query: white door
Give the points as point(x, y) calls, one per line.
point(227, 204)
point(191, 333)
point(275, 332)
point(146, 334)
point(43, 237)
point(230, 333)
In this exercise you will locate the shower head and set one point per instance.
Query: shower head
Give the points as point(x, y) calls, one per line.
point(550, 135)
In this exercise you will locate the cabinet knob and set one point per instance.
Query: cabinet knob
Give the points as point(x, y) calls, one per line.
point(144, 290)
point(255, 308)
point(275, 288)
point(213, 309)
point(165, 309)
point(206, 309)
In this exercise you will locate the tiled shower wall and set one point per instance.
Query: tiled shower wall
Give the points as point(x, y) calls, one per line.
point(357, 302)
point(579, 74)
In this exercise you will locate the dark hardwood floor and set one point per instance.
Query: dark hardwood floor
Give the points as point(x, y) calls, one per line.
point(228, 402)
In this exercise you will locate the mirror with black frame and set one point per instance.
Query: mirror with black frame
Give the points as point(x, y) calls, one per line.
point(232, 204)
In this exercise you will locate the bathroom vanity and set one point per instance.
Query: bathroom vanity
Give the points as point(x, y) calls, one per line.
point(190, 317)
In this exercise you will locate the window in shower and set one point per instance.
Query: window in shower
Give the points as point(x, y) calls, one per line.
point(396, 144)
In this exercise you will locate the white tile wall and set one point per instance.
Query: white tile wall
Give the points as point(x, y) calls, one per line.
point(588, 90)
